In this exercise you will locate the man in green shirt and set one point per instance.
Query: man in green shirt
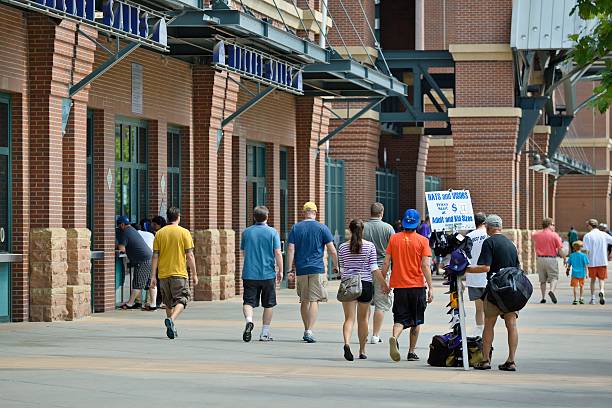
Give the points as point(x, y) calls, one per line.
point(572, 236)
point(379, 232)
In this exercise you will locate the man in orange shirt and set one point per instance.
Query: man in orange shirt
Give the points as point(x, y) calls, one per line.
point(411, 257)
point(547, 247)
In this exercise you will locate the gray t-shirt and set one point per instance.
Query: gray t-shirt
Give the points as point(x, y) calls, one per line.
point(379, 233)
point(136, 248)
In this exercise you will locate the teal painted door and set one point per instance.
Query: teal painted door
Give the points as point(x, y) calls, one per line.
point(256, 179)
point(5, 206)
point(387, 194)
point(334, 201)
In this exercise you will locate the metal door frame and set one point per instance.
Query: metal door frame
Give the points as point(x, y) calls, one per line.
point(6, 98)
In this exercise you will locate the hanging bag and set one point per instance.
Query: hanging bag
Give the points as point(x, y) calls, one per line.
point(350, 288)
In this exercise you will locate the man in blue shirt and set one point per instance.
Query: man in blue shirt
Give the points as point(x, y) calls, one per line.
point(307, 242)
point(261, 272)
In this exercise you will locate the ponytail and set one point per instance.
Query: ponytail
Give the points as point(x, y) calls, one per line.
point(356, 228)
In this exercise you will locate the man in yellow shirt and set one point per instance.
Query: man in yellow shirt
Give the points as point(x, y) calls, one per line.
point(172, 253)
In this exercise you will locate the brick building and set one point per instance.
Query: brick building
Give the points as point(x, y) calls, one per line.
point(180, 123)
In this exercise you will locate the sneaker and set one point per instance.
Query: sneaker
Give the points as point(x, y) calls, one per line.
point(308, 338)
point(581, 301)
point(394, 349)
point(552, 297)
point(170, 329)
point(592, 301)
point(246, 334)
point(375, 340)
point(602, 298)
point(265, 337)
point(575, 302)
point(412, 357)
point(543, 301)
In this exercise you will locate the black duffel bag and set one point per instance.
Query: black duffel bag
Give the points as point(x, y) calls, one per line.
point(509, 289)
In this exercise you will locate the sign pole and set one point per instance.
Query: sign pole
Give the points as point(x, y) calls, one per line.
point(464, 346)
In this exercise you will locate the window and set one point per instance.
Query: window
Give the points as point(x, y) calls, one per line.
point(284, 194)
point(256, 178)
point(387, 188)
point(131, 176)
point(174, 168)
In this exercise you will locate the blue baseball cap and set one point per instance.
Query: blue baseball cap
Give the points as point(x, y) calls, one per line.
point(122, 219)
point(458, 262)
point(411, 219)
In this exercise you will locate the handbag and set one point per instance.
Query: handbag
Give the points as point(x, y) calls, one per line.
point(350, 288)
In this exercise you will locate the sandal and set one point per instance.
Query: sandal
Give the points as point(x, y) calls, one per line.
point(482, 365)
point(507, 366)
point(125, 306)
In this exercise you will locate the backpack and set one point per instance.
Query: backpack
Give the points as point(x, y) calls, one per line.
point(509, 289)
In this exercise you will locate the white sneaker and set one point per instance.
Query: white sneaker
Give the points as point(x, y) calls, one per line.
point(265, 337)
point(592, 302)
point(375, 340)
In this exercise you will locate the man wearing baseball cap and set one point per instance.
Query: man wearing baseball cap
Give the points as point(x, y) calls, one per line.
point(497, 252)
point(307, 242)
point(411, 257)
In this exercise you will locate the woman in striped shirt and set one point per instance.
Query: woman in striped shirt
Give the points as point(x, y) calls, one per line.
point(357, 257)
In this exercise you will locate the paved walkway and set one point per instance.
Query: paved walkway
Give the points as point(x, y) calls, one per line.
point(123, 359)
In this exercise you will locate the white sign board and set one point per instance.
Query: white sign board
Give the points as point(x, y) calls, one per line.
point(137, 88)
point(450, 210)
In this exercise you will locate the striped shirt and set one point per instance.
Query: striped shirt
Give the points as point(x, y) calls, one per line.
point(362, 264)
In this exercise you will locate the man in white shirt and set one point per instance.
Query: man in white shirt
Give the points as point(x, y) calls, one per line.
point(596, 243)
point(477, 282)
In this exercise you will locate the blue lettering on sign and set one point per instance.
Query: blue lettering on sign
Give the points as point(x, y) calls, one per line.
point(258, 65)
point(118, 16)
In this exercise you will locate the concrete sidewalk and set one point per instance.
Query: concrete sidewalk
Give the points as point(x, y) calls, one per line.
point(123, 359)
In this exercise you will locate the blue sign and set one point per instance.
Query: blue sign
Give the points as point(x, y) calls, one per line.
point(258, 66)
point(119, 17)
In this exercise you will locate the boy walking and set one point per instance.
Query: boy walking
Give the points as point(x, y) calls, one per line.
point(578, 262)
point(261, 250)
point(172, 253)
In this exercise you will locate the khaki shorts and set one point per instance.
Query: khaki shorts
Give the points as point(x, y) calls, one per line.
point(174, 290)
point(548, 269)
point(311, 288)
point(491, 309)
point(381, 301)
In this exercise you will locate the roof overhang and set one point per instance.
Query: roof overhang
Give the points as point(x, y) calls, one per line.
point(195, 32)
point(347, 77)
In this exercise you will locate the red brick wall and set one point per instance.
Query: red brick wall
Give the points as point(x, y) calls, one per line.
point(341, 22)
point(580, 198)
point(441, 163)
point(439, 29)
point(484, 148)
point(357, 145)
point(484, 83)
point(480, 22)
point(239, 200)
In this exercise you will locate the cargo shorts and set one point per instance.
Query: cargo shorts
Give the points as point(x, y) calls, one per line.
point(175, 290)
point(380, 301)
point(311, 288)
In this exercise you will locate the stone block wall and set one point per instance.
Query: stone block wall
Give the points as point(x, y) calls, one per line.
point(48, 274)
point(78, 294)
point(208, 264)
point(227, 247)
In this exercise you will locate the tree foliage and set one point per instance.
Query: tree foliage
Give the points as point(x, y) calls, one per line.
point(595, 46)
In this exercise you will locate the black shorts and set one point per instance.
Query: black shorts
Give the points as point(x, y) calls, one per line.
point(367, 292)
point(409, 306)
point(253, 290)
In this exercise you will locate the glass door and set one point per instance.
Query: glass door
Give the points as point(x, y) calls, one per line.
point(256, 179)
point(5, 206)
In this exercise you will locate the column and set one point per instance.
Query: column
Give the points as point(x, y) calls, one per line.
point(238, 203)
point(214, 98)
point(273, 184)
point(158, 166)
point(187, 184)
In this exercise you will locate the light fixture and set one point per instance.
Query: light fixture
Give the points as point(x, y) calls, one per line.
point(537, 163)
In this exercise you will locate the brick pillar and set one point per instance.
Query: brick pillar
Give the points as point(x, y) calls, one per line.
point(187, 185)
point(104, 179)
point(357, 145)
point(214, 98)
point(292, 205)
point(158, 165)
point(485, 146)
point(273, 184)
point(238, 203)
point(552, 193)
point(524, 193)
point(20, 293)
point(311, 125)
point(51, 45)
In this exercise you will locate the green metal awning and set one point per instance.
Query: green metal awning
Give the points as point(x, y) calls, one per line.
point(195, 32)
point(346, 77)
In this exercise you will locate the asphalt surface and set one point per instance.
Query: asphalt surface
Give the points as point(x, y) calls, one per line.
point(123, 359)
